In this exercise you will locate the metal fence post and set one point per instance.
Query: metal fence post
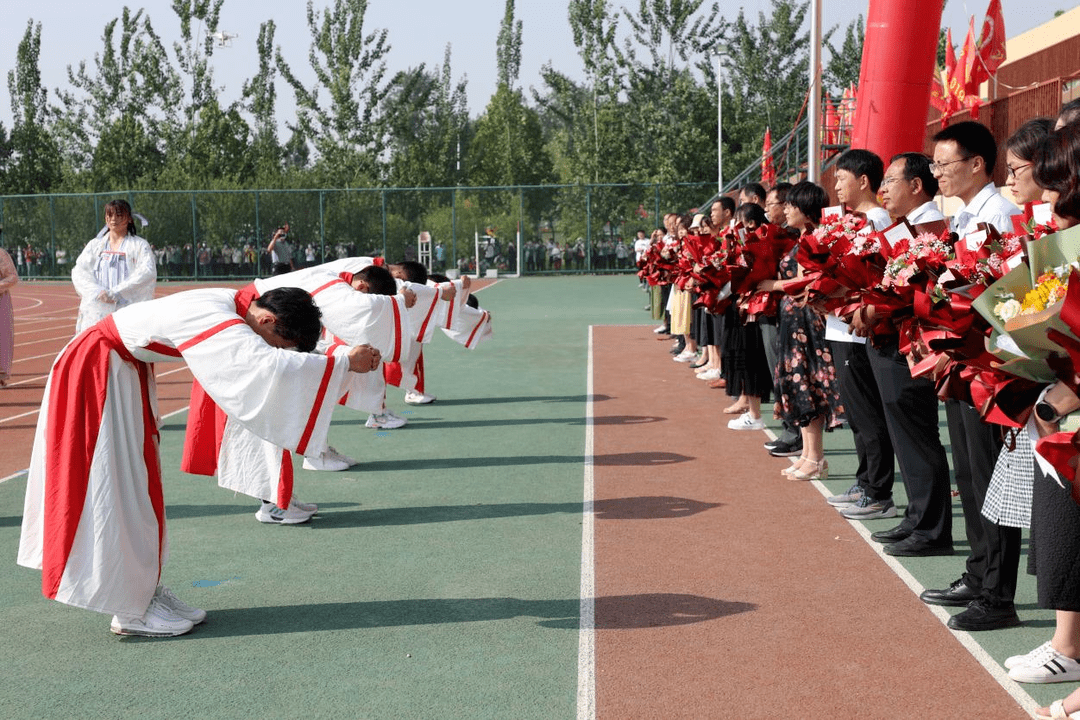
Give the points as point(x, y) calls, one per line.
point(194, 240)
point(322, 227)
point(453, 224)
point(384, 223)
point(588, 228)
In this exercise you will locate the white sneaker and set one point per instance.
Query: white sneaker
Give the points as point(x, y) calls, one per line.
point(273, 515)
point(385, 420)
point(157, 621)
point(330, 461)
point(178, 607)
point(1046, 666)
point(685, 356)
point(414, 397)
point(661, 330)
point(745, 422)
point(1017, 660)
point(712, 374)
point(303, 506)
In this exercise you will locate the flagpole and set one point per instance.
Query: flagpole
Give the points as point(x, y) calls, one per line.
point(813, 113)
point(718, 52)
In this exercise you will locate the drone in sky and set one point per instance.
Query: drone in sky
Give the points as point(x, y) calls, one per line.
point(224, 39)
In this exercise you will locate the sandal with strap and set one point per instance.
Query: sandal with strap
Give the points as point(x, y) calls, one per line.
point(1057, 712)
point(819, 470)
point(736, 409)
point(787, 472)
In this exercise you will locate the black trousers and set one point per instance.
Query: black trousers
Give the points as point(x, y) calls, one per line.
point(866, 418)
point(995, 549)
point(910, 408)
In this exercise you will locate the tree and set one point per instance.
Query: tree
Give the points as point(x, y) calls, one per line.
point(765, 79)
point(508, 48)
point(845, 64)
point(124, 155)
point(348, 130)
point(428, 121)
point(34, 165)
point(260, 95)
point(133, 86)
point(508, 148)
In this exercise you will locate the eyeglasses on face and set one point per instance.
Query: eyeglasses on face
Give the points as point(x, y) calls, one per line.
point(939, 167)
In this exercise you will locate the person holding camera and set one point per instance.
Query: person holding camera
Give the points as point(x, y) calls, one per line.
point(281, 252)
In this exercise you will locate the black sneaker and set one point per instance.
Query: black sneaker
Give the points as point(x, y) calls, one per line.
point(783, 449)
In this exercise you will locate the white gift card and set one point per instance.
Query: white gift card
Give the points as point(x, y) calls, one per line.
point(1041, 213)
point(945, 277)
point(975, 240)
point(1014, 262)
point(898, 232)
point(837, 210)
point(1006, 343)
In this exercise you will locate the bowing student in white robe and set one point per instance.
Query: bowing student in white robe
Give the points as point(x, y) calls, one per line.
point(94, 515)
point(247, 464)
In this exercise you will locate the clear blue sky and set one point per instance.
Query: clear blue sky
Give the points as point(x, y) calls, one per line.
point(418, 33)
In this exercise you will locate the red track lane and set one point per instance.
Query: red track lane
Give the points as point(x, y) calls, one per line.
point(751, 597)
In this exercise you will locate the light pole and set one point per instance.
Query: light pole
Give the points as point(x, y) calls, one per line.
point(719, 52)
point(813, 112)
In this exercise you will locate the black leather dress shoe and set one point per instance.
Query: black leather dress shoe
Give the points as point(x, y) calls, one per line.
point(912, 546)
point(982, 615)
point(959, 594)
point(896, 534)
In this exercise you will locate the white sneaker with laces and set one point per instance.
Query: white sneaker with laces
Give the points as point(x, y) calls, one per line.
point(330, 461)
point(157, 621)
point(1017, 660)
point(271, 514)
point(712, 374)
point(1046, 666)
point(685, 356)
point(178, 607)
point(746, 422)
point(385, 420)
point(414, 397)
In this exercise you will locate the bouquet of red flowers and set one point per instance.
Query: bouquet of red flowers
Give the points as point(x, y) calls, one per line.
point(659, 264)
point(760, 255)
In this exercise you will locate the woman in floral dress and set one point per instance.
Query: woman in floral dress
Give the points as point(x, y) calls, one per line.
point(807, 391)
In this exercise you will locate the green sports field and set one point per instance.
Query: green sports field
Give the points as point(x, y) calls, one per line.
point(440, 579)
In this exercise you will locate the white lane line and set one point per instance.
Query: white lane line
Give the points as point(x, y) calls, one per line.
point(991, 665)
point(586, 690)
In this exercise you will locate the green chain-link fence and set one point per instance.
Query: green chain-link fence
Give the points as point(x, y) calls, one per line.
point(223, 234)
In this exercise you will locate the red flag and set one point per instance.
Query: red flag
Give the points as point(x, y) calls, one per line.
point(768, 170)
point(951, 90)
point(938, 98)
point(992, 39)
point(974, 73)
point(831, 124)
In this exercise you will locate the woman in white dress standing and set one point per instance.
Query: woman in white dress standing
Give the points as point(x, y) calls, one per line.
point(115, 269)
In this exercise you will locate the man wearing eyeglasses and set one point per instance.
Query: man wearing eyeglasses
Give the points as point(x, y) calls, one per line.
point(964, 158)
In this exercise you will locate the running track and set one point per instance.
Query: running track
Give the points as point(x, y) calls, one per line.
point(787, 634)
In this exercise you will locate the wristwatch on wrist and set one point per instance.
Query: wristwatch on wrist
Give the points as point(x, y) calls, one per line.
point(1044, 410)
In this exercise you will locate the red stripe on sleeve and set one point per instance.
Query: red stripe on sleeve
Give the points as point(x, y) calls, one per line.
point(301, 447)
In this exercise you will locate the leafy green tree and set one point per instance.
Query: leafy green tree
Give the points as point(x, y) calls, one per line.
point(508, 48)
point(508, 148)
point(34, 165)
point(347, 129)
point(428, 121)
point(761, 79)
point(125, 156)
point(260, 97)
point(194, 51)
point(133, 86)
point(844, 64)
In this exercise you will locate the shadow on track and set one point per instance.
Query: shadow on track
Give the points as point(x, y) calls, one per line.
point(618, 612)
